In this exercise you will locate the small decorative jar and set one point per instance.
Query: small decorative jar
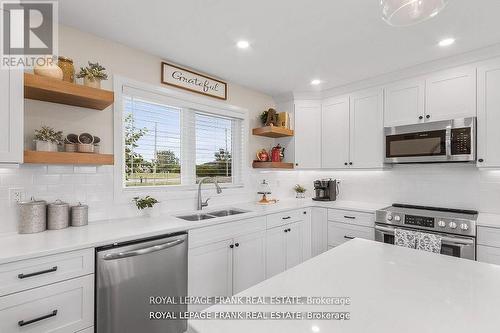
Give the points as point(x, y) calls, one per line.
point(79, 215)
point(58, 215)
point(300, 195)
point(45, 146)
point(32, 216)
point(48, 68)
point(68, 69)
point(92, 83)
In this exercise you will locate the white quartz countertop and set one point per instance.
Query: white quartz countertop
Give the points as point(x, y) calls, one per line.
point(15, 247)
point(392, 289)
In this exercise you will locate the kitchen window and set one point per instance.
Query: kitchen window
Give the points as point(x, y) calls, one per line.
point(169, 142)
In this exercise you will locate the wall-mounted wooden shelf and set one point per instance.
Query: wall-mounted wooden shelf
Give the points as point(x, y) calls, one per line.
point(272, 131)
point(272, 165)
point(57, 91)
point(45, 157)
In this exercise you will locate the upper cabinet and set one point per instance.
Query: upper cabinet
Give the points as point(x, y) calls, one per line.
point(308, 134)
point(335, 133)
point(451, 94)
point(488, 113)
point(404, 103)
point(366, 129)
point(11, 116)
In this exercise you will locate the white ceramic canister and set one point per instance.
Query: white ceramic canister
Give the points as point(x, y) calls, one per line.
point(32, 216)
point(58, 215)
point(79, 215)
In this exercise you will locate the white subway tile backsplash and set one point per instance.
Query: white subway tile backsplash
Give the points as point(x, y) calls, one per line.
point(85, 169)
point(16, 179)
point(47, 179)
point(60, 169)
point(73, 179)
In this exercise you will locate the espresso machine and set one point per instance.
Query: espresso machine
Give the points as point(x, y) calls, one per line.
point(325, 190)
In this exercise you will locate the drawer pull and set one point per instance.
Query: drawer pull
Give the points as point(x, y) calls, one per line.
point(24, 276)
point(286, 217)
point(31, 321)
point(349, 217)
point(348, 237)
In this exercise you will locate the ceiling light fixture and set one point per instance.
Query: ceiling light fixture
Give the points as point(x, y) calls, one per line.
point(400, 13)
point(446, 42)
point(315, 82)
point(243, 44)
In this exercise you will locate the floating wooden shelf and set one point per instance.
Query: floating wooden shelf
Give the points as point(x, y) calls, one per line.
point(272, 131)
point(45, 157)
point(57, 91)
point(272, 165)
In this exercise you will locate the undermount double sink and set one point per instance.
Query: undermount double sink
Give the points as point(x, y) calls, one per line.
point(211, 215)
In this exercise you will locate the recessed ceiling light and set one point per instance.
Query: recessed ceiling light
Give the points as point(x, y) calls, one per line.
point(446, 42)
point(315, 82)
point(243, 44)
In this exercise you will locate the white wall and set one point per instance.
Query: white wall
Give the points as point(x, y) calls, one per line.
point(94, 185)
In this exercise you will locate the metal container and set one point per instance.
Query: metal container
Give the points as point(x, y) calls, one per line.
point(32, 216)
point(58, 215)
point(79, 215)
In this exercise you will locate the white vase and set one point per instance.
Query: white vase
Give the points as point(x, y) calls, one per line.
point(150, 212)
point(92, 83)
point(45, 146)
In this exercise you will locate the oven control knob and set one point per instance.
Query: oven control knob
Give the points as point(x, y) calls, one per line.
point(442, 224)
point(452, 225)
point(389, 217)
point(397, 218)
point(464, 226)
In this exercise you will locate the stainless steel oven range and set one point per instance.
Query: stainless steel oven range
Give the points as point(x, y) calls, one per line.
point(456, 226)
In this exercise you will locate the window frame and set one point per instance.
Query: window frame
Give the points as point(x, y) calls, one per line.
point(181, 100)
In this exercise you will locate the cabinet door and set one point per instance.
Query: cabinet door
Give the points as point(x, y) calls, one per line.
point(275, 251)
point(335, 133)
point(11, 116)
point(488, 254)
point(210, 271)
point(249, 261)
point(307, 134)
point(367, 129)
point(319, 230)
point(294, 244)
point(488, 113)
point(404, 103)
point(451, 94)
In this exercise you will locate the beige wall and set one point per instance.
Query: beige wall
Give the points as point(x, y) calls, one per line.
point(128, 62)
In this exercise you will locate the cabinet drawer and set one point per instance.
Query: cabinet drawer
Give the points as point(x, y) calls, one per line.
point(488, 236)
point(31, 273)
point(351, 217)
point(277, 219)
point(66, 306)
point(87, 330)
point(488, 254)
point(339, 233)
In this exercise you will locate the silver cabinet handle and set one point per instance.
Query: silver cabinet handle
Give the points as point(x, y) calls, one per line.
point(119, 255)
point(445, 240)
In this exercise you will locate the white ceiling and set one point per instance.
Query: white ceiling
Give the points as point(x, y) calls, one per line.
point(292, 41)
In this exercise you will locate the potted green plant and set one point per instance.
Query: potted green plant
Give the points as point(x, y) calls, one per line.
point(92, 75)
point(146, 205)
point(300, 191)
point(47, 139)
point(263, 117)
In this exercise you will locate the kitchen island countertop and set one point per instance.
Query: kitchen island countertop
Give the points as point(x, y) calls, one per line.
point(392, 289)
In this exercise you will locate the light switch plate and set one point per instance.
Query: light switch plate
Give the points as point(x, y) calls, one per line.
point(16, 195)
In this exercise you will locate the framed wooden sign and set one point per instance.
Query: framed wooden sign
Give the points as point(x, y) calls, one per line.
point(188, 80)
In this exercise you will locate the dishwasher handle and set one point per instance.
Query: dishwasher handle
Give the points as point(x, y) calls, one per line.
point(146, 250)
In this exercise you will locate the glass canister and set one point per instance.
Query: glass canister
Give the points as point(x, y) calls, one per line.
point(58, 215)
point(79, 215)
point(66, 64)
point(32, 216)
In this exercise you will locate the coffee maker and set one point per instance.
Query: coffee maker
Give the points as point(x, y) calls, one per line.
point(325, 190)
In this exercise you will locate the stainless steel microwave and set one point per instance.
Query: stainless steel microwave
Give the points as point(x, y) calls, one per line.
point(432, 142)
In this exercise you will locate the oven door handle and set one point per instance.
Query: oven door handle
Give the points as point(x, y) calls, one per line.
point(448, 143)
point(446, 240)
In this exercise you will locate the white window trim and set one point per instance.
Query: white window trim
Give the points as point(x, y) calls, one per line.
point(123, 194)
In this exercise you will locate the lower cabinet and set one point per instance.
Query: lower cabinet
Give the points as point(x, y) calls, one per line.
point(284, 247)
point(66, 306)
point(488, 254)
point(339, 233)
point(319, 230)
point(226, 267)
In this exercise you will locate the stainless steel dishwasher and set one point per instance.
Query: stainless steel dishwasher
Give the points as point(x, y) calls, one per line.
point(129, 273)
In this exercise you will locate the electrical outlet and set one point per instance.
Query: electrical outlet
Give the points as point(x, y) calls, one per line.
point(16, 195)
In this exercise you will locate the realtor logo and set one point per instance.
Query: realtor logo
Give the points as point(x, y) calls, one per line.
point(29, 32)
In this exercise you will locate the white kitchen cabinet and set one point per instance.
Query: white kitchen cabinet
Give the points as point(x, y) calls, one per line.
point(404, 103)
point(284, 247)
point(249, 257)
point(307, 137)
point(335, 133)
point(11, 116)
point(366, 129)
point(319, 230)
point(210, 271)
point(488, 113)
point(339, 233)
point(488, 254)
point(294, 244)
point(451, 94)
